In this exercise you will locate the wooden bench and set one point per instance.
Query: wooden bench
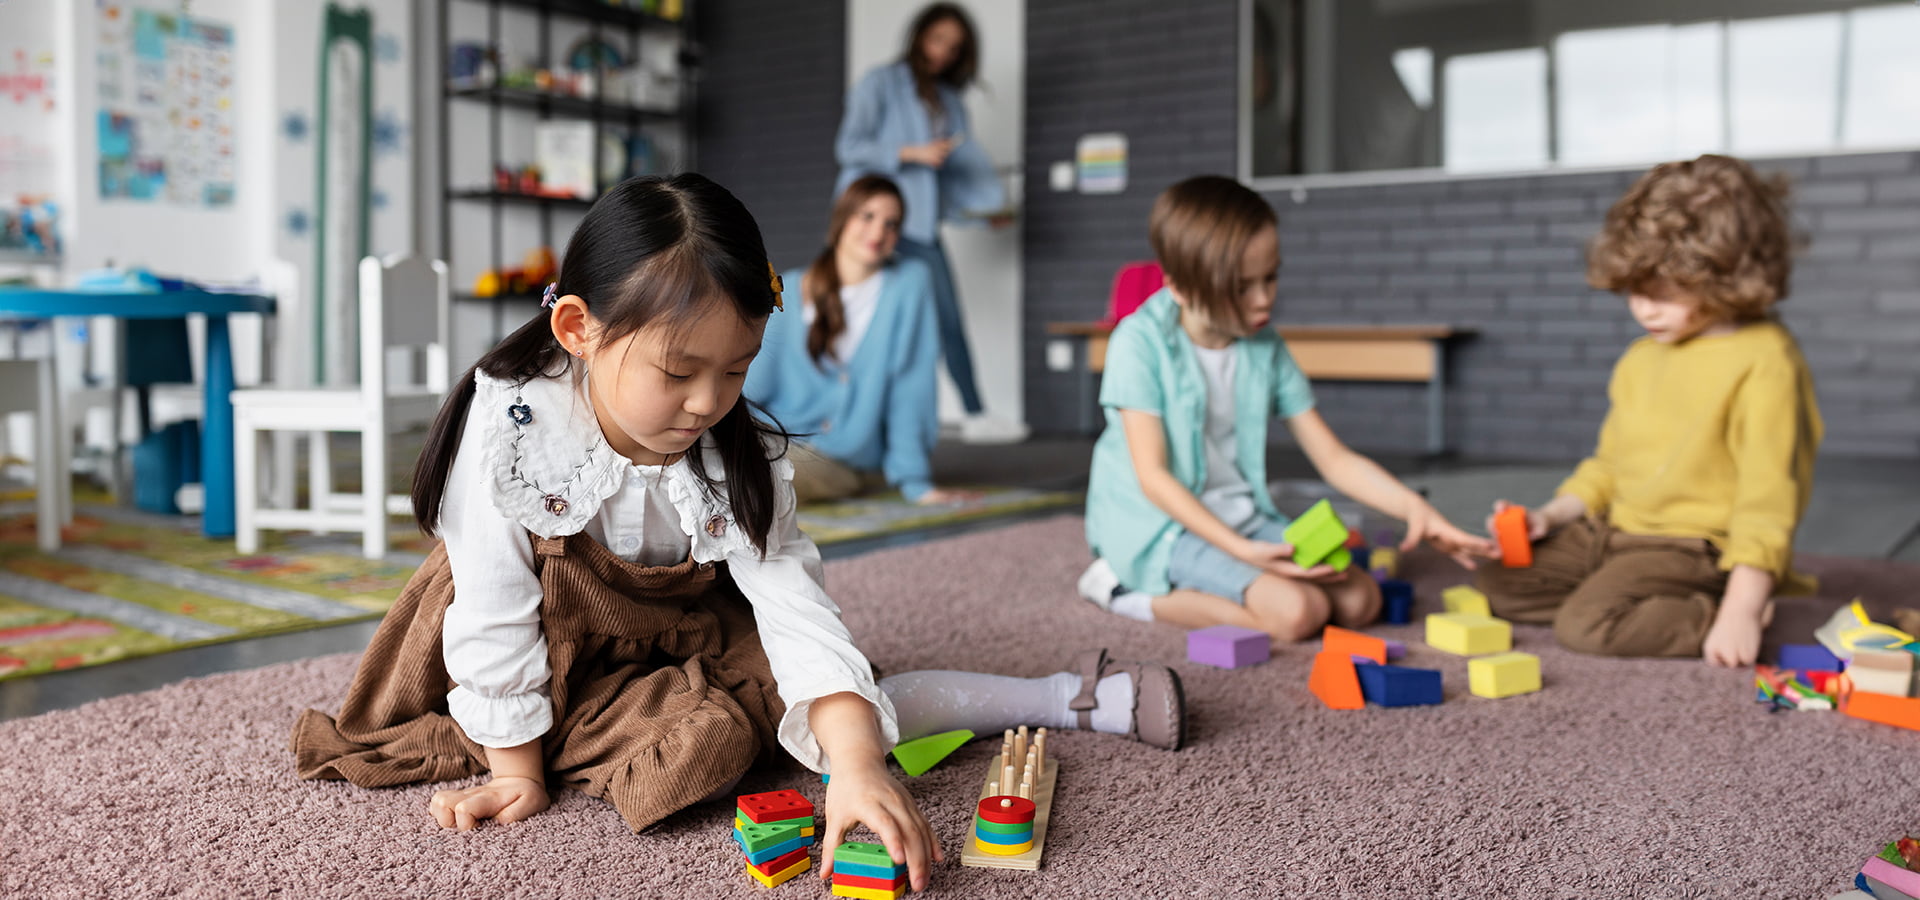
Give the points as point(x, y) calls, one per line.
point(1392, 353)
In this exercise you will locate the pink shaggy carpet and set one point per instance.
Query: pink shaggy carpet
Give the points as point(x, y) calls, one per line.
point(1621, 778)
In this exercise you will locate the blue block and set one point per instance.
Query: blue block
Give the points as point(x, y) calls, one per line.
point(1399, 600)
point(1362, 557)
point(1808, 658)
point(884, 873)
point(778, 850)
point(1399, 685)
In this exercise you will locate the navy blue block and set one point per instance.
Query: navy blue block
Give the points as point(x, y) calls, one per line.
point(1399, 600)
point(1808, 658)
point(1399, 685)
point(1362, 558)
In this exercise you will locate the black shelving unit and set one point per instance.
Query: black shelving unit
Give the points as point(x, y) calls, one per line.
point(616, 25)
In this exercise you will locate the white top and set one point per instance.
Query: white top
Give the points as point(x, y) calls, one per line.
point(1226, 493)
point(499, 489)
point(858, 303)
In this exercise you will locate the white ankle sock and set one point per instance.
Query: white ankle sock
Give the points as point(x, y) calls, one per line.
point(933, 701)
point(1136, 605)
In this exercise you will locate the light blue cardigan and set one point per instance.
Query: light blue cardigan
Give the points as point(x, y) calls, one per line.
point(878, 410)
point(884, 114)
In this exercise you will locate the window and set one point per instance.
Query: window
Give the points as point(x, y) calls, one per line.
point(1500, 85)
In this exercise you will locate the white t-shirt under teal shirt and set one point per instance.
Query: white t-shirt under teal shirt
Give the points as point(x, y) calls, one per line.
point(1226, 494)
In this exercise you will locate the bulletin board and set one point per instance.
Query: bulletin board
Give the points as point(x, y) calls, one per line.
point(166, 107)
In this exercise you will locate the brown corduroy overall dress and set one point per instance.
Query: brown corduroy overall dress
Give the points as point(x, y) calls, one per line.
point(661, 691)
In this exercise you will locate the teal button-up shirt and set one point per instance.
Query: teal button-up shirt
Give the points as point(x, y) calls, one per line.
point(1151, 368)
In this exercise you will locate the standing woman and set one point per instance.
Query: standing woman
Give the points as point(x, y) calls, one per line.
point(905, 120)
point(854, 372)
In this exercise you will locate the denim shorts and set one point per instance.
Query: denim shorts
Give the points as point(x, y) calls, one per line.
point(1199, 566)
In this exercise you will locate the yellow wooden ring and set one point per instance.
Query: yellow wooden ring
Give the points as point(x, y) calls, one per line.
point(1002, 849)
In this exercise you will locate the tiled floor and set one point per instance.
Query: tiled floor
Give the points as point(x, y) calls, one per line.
point(1859, 508)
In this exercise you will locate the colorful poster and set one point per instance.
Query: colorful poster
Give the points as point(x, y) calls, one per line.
point(1102, 163)
point(165, 120)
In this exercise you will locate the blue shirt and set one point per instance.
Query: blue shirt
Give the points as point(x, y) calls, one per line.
point(1151, 368)
point(877, 410)
point(884, 113)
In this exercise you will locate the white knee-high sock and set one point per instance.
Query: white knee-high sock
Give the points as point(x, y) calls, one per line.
point(1136, 605)
point(932, 701)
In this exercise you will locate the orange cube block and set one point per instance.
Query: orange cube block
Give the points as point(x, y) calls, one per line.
point(1346, 642)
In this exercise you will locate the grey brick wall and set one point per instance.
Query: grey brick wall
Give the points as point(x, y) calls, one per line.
point(1503, 256)
point(773, 84)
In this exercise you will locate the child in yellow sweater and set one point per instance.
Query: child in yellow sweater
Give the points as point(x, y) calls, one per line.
point(1671, 538)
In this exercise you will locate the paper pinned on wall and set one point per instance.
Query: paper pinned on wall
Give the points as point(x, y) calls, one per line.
point(1102, 161)
point(165, 121)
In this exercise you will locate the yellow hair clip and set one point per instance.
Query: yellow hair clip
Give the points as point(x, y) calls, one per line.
point(778, 287)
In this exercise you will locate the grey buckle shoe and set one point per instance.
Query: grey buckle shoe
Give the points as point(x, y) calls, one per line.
point(1159, 715)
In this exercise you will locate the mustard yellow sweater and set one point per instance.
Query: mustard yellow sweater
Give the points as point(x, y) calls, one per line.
point(1710, 438)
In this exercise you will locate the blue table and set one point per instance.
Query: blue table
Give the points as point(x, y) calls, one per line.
point(216, 444)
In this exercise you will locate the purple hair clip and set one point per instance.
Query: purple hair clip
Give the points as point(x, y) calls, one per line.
point(547, 298)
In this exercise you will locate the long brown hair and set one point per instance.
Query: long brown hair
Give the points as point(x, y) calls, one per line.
point(822, 282)
point(965, 65)
point(651, 250)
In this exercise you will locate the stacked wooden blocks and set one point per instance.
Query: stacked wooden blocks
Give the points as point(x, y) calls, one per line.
point(864, 870)
point(1351, 670)
point(1881, 683)
point(1010, 822)
point(774, 829)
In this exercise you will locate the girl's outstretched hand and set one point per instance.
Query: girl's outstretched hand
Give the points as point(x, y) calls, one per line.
point(505, 798)
point(1424, 523)
point(868, 795)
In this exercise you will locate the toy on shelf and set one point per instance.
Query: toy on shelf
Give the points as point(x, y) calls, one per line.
point(1385, 685)
point(774, 830)
point(920, 754)
point(1503, 675)
point(1397, 597)
point(865, 870)
point(1468, 634)
point(1317, 537)
point(1229, 646)
point(1336, 681)
point(1010, 823)
point(1464, 598)
point(530, 277)
point(1511, 530)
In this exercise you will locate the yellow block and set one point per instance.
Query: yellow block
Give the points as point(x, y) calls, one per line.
point(1503, 675)
point(1468, 634)
point(1385, 560)
point(1464, 598)
point(866, 893)
point(1002, 849)
point(781, 876)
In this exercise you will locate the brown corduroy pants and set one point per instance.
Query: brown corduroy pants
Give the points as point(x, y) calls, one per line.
point(661, 691)
point(1612, 593)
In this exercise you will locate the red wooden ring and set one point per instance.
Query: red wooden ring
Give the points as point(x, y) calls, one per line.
point(1019, 811)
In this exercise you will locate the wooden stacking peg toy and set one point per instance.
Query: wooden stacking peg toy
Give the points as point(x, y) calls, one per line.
point(1010, 822)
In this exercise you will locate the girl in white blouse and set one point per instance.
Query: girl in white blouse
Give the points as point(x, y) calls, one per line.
point(622, 597)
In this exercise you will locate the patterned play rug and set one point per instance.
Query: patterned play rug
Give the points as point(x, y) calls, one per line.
point(128, 585)
point(120, 589)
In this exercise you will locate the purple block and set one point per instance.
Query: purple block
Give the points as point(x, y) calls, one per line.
point(1395, 650)
point(1229, 646)
point(1808, 658)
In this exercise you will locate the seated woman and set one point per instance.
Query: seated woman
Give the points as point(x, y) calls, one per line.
point(853, 370)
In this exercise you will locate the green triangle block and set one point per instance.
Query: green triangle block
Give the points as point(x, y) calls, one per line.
point(920, 754)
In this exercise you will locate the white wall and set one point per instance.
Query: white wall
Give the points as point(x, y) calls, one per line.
point(986, 262)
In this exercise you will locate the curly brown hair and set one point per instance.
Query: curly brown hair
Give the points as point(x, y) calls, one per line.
point(1711, 227)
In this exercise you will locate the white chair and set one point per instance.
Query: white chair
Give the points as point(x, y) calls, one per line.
point(404, 308)
point(27, 386)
